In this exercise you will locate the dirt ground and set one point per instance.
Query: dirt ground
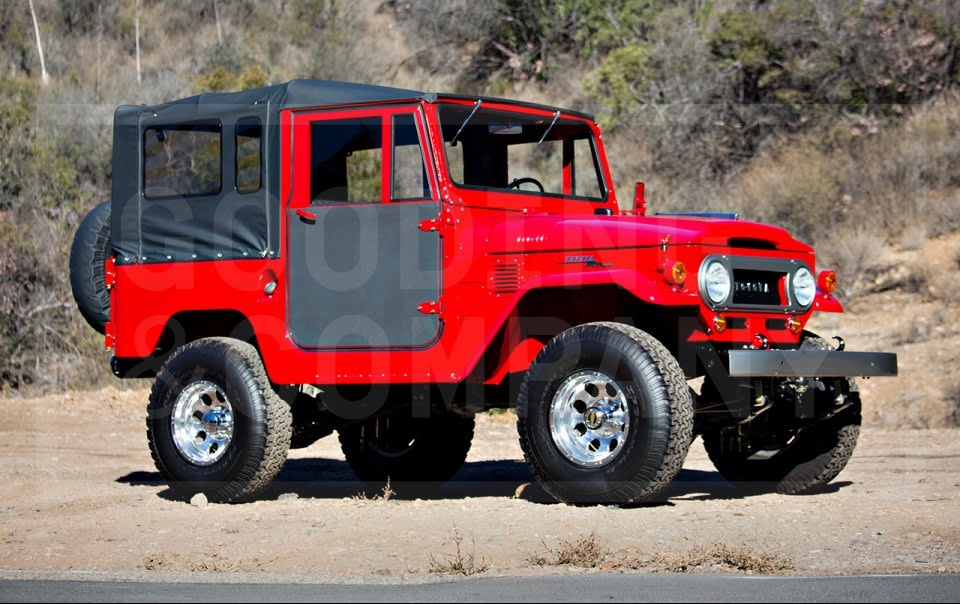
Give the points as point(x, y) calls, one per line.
point(79, 491)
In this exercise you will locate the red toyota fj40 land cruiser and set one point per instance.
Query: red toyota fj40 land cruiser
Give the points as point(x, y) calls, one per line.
point(319, 256)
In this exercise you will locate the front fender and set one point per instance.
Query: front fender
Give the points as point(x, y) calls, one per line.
point(826, 303)
point(518, 350)
point(651, 290)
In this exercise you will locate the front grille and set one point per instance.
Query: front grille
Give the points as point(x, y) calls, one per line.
point(757, 288)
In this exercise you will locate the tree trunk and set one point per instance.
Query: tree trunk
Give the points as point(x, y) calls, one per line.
point(136, 21)
point(216, 15)
point(99, 48)
point(44, 78)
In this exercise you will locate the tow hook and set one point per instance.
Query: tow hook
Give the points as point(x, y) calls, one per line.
point(840, 343)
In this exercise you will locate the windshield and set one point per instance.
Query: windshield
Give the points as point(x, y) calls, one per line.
point(502, 150)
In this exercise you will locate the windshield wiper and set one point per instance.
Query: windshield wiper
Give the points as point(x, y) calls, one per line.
point(556, 116)
point(453, 142)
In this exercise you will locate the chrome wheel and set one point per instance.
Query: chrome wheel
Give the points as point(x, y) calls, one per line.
point(202, 423)
point(589, 420)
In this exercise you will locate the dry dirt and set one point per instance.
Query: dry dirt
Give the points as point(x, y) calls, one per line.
point(80, 492)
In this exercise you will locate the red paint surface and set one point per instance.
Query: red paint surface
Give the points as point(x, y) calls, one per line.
point(479, 230)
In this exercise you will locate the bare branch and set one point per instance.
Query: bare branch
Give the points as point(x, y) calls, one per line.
point(44, 77)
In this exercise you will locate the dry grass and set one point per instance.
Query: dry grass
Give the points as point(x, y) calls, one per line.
point(899, 181)
point(211, 563)
point(719, 557)
point(858, 257)
point(386, 494)
point(938, 266)
point(584, 552)
point(588, 552)
point(461, 562)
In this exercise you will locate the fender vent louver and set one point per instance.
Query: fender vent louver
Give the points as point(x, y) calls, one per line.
point(505, 278)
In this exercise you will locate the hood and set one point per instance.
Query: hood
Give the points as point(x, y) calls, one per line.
point(570, 233)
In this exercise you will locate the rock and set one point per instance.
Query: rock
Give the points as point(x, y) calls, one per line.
point(199, 500)
point(288, 497)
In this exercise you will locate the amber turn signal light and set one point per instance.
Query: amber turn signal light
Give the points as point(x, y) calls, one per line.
point(678, 274)
point(794, 326)
point(827, 281)
point(719, 322)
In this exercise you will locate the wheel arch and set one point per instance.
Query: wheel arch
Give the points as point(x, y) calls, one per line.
point(542, 313)
point(181, 329)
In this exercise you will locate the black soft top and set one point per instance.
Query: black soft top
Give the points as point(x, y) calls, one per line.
point(302, 93)
point(323, 93)
point(225, 224)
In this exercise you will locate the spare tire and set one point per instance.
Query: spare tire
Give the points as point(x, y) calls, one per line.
point(88, 257)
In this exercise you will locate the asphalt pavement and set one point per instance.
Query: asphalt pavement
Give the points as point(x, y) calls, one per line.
point(555, 588)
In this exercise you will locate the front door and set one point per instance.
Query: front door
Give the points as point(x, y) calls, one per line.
point(359, 267)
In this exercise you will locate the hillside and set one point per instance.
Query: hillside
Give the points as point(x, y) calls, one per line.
point(836, 120)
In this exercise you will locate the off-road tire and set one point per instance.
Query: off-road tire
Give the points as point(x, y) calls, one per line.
point(262, 419)
point(815, 457)
point(658, 401)
point(439, 447)
point(88, 256)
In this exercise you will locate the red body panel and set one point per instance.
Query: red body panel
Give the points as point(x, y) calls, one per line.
point(554, 243)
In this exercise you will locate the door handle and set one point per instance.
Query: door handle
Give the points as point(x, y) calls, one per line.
point(306, 216)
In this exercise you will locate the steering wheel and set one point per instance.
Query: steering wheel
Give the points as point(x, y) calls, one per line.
point(519, 181)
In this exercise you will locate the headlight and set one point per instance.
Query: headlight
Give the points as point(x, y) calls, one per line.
point(716, 282)
point(804, 287)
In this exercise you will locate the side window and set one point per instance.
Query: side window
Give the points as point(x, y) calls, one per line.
point(181, 160)
point(409, 178)
point(249, 155)
point(346, 162)
point(586, 174)
point(455, 161)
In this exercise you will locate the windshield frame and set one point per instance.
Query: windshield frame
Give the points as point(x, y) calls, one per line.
point(497, 196)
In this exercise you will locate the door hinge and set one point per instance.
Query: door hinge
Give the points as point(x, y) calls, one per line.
point(437, 224)
point(433, 307)
point(109, 338)
point(431, 224)
point(110, 273)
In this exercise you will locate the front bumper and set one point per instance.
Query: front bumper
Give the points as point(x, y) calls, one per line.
point(811, 363)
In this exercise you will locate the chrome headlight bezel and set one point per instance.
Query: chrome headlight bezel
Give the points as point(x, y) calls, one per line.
point(803, 287)
point(710, 280)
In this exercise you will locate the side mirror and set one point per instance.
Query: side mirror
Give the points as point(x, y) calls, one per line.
point(639, 201)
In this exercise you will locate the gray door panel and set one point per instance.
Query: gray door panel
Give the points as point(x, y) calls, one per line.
point(358, 273)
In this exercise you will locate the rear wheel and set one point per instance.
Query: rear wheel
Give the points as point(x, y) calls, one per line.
point(406, 449)
point(604, 415)
point(214, 423)
point(799, 461)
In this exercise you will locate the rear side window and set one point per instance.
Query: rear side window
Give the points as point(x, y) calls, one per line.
point(182, 160)
point(249, 152)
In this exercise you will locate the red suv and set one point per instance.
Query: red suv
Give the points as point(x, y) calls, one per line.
point(318, 256)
